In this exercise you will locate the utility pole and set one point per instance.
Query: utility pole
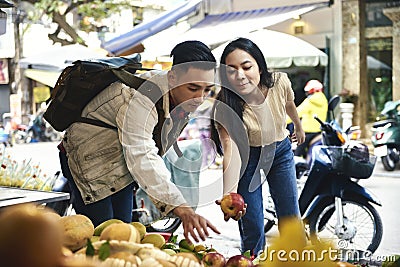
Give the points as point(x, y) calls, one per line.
point(18, 88)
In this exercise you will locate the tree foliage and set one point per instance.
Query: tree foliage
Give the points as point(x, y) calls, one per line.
point(89, 14)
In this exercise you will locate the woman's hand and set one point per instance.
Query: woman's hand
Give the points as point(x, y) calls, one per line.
point(191, 221)
point(237, 216)
point(300, 135)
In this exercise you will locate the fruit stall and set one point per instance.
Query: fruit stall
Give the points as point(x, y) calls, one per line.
point(24, 182)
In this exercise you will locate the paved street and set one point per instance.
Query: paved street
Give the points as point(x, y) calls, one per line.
point(385, 185)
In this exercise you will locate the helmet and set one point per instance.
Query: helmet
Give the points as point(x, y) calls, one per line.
point(313, 86)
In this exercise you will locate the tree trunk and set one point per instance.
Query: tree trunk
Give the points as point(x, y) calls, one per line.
point(26, 99)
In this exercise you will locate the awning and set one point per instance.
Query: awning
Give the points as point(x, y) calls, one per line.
point(282, 50)
point(124, 42)
point(48, 78)
point(57, 58)
point(216, 29)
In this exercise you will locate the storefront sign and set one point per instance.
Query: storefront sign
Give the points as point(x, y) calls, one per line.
point(3, 71)
point(41, 94)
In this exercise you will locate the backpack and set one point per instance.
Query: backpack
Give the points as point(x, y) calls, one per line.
point(79, 83)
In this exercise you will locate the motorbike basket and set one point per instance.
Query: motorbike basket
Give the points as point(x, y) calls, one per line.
point(353, 163)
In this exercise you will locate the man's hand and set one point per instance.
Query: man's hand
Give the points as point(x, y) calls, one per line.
point(239, 215)
point(192, 221)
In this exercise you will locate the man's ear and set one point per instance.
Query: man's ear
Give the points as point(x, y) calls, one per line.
point(172, 79)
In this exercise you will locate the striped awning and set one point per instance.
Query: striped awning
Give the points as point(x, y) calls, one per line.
point(144, 30)
point(216, 29)
point(233, 24)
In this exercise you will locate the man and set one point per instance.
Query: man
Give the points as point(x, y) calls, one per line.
point(315, 104)
point(105, 164)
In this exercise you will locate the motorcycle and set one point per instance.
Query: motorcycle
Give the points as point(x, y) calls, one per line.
point(386, 135)
point(332, 204)
point(41, 130)
point(353, 134)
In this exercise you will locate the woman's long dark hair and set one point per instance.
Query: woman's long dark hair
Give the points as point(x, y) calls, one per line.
point(227, 95)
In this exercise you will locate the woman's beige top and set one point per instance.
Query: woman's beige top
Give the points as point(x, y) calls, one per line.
point(266, 123)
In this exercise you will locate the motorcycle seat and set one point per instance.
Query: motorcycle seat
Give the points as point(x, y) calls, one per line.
point(383, 123)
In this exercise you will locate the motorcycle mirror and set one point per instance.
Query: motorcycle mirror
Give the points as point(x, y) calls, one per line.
point(333, 102)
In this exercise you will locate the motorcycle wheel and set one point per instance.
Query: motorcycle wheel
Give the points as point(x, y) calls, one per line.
point(363, 216)
point(167, 225)
point(388, 163)
point(54, 137)
point(30, 135)
point(19, 137)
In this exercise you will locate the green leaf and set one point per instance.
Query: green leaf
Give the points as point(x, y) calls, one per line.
point(247, 254)
point(89, 248)
point(185, 250)
point(104, 251)
point(174, 239)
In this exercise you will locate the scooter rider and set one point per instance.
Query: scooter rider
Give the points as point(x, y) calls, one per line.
point(316, 103)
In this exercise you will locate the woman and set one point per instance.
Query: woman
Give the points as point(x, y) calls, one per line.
point(250, 114)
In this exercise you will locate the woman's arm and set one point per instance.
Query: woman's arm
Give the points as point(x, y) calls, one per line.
point(292, 113)
point(231, 162)
point(231, 167)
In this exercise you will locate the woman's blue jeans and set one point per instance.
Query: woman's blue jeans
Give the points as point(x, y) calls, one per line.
point(277, 162)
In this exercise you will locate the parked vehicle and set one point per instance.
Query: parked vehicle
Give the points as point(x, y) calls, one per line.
point(5, 137)
point(21, 134)
point(40, 130)
point(386, 135)
point(352, 134)
point(332, 204)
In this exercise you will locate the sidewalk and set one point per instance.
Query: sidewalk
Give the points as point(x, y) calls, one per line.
point(379, 171)
point(228, 242)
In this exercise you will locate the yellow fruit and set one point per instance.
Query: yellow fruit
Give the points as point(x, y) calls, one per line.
point(157, 262)
point(169, 251)
point(79, 261)
point(121, 232)
point(188, 255)
point(199, 247)
point(50, 213)
point(94, 238)
point(166, 263)
point(185, 244)
point(153, 238)
point(66, 252)
point(141, 228)
point(77, 230)
point(99, 228)
point(126, 256)
point(29, 238)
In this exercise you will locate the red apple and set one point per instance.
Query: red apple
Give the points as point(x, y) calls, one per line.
point(239, 261)
point(232, 204)
point(213, 259)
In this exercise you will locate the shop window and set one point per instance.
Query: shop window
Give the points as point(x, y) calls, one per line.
point(374, 14)
point(379, 63)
